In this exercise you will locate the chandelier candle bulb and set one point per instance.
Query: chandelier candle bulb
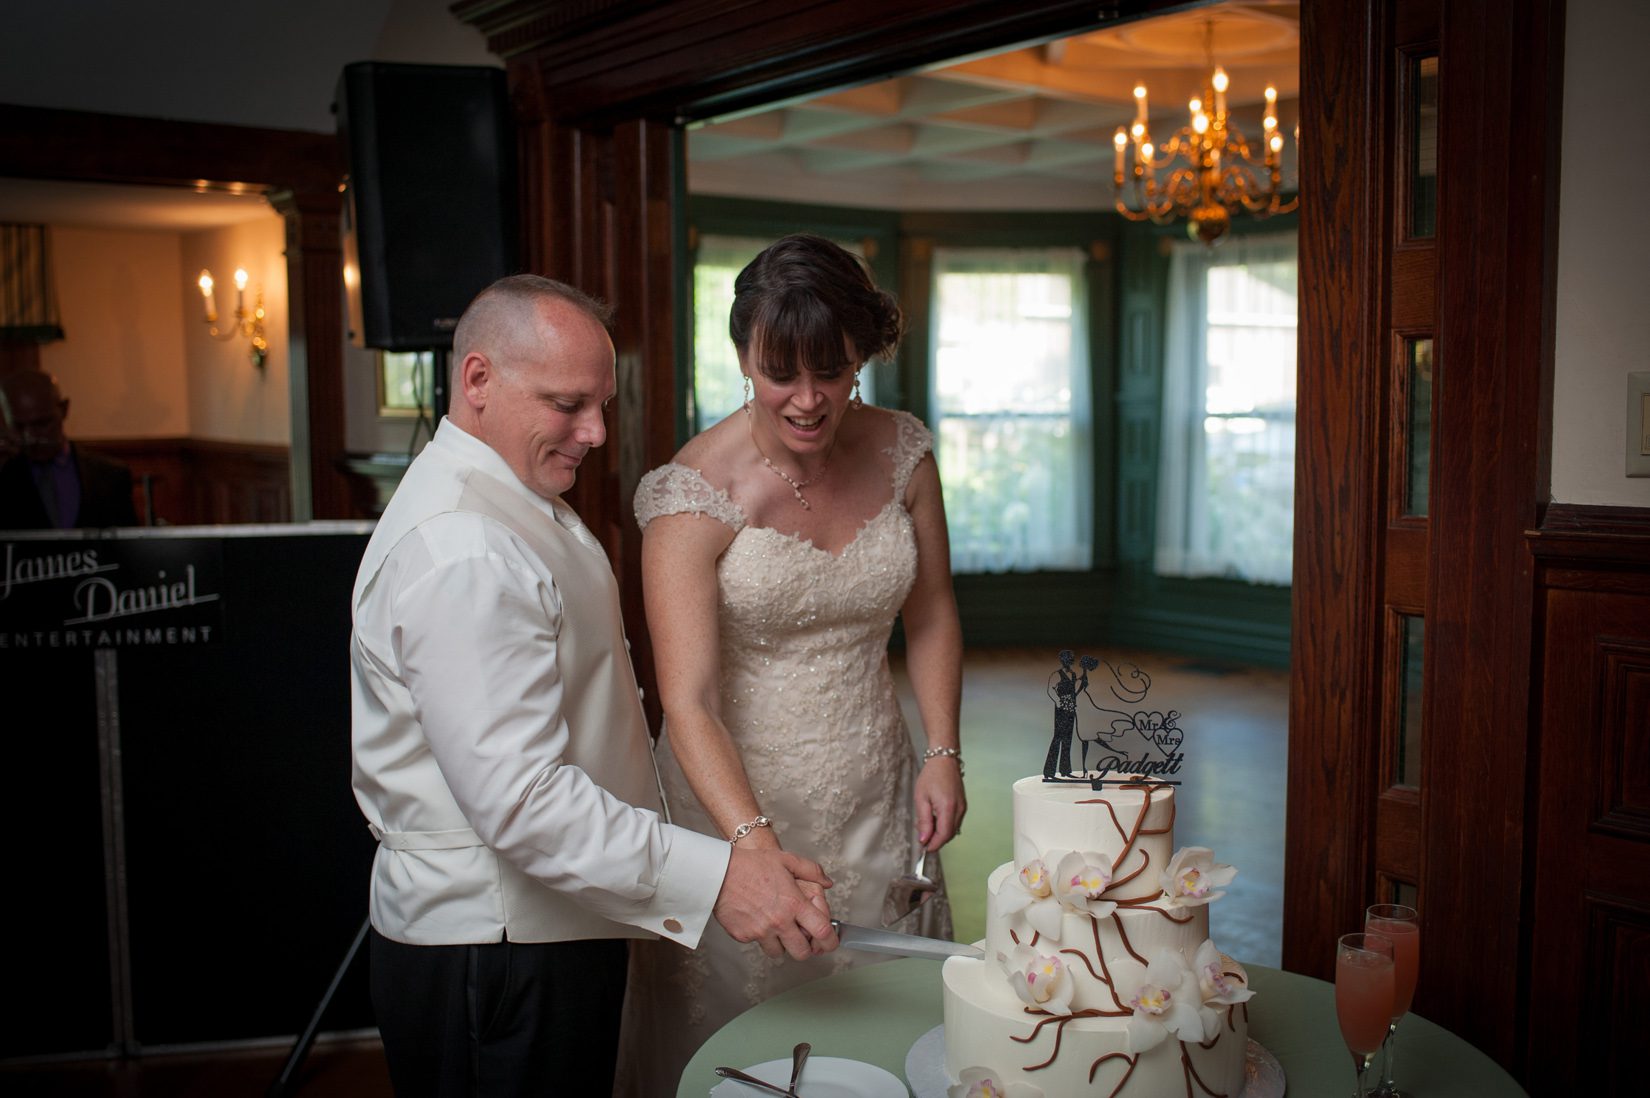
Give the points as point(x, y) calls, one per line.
point(1121, 140)
point(205, 283)
point(1140, 104)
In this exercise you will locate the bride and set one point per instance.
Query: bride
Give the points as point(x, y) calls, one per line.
point(778, 548)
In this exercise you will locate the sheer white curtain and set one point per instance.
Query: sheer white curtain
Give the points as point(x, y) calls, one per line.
point(717, 386)
point(1009, 380)
point(1225, 500)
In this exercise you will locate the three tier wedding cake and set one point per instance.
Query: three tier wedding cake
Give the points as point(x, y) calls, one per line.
point(1099, 975)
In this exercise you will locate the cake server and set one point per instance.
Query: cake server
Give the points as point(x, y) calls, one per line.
point(904, 945)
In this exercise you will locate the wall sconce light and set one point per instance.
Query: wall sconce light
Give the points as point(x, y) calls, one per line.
point(249, 325)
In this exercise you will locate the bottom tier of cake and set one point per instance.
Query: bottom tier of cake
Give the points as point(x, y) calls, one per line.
point(1077, 1056)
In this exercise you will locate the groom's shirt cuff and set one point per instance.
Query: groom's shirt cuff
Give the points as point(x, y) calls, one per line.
point(694, 866)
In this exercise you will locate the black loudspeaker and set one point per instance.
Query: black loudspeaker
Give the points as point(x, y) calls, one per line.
point(430, 210)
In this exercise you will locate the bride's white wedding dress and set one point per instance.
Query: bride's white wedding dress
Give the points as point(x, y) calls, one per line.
point(808, 698)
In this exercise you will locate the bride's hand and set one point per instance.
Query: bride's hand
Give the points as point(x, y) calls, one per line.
point(940, 802)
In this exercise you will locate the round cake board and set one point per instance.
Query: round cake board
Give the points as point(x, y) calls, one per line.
point(925, 1069)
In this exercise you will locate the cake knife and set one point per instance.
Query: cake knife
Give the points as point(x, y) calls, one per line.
point(904, 945)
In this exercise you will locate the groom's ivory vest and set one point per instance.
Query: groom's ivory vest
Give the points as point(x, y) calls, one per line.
point(609, 737)
point(443, 885)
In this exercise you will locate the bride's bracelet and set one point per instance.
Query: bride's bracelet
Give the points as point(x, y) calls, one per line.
point(746, 828)
point(945, 753)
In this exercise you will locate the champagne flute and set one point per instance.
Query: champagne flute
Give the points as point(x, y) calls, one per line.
point(1364, 985)
point(1403, 925)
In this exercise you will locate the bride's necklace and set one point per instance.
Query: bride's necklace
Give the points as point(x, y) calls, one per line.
point(796, 485)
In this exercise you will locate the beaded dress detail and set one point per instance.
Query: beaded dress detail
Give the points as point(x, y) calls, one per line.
point(808, 699)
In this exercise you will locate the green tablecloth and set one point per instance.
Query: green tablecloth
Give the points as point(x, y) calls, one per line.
point(876, 1013)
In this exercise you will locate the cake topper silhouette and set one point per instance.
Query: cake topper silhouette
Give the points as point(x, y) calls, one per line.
point(1128, 741)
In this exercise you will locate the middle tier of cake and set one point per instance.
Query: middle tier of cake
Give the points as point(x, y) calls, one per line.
point(1098, 951)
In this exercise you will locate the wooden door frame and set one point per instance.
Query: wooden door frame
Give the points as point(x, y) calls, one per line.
point(299, 173)
point(601, 86)
point(1500, 93)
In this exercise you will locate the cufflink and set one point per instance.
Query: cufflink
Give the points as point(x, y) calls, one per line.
point(673, 925)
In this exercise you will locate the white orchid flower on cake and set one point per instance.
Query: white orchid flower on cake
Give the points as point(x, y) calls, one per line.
point(1168, 1001)
point(1194, 878)
point(1040, 980)
point(1222, 982)
point(1030, 893)
point(979, 1082)
point(1080, 879)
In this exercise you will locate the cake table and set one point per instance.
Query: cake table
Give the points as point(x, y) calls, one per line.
point(877, 1012)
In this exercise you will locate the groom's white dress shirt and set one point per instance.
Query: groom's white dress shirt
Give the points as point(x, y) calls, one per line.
point(501, 756)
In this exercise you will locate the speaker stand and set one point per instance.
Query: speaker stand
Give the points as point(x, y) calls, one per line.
point(282, 1086)
point(439, 395)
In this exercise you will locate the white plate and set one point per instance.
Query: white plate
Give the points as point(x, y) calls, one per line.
point(822, 1077)
point(925, 1067)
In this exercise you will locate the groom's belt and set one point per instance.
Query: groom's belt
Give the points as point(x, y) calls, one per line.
point(455, 839)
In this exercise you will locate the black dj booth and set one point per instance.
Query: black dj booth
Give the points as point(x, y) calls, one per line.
point(186, 864)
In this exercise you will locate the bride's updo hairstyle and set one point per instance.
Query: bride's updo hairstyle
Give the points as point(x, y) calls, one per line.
point(793, 304)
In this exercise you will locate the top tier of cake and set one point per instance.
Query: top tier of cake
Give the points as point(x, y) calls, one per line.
point(1130, 826)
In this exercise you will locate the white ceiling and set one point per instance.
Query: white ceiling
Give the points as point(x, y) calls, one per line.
point(1027, 129)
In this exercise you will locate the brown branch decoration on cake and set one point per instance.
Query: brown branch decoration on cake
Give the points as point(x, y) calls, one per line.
point(1191, 1074)
point(1124, 935)
point(1060, 1022)
point(1121, 1083)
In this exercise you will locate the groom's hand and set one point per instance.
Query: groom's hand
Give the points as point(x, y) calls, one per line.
point(776, 899)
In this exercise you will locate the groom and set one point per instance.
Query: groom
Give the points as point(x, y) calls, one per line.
point(500, 754)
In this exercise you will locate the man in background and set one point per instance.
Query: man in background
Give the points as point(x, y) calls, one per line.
point(50, 483)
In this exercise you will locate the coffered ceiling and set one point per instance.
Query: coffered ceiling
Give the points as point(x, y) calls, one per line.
point(1029, 128)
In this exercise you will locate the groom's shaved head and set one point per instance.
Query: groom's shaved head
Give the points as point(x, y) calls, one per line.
point(500, 317)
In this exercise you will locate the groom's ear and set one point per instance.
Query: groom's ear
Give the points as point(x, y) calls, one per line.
point(476, 375)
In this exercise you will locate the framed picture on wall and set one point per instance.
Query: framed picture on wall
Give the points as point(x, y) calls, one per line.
point(403, 383)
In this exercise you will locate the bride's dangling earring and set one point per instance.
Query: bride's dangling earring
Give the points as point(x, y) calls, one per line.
point(854, 401)
point(747, 380)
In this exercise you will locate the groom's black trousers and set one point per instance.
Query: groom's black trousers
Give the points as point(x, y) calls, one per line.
point(499, 1020)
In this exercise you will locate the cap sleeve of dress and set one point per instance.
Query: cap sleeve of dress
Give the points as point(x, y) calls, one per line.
point(912, 440)
point(676, 490)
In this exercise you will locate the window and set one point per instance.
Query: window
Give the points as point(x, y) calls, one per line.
point(717, 388)
point(403, 383)
point(1226, 486)
point(716, 382)
point(1010, 395)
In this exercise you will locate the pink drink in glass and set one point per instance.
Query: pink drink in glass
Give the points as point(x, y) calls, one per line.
point(1364, 985)
point(1406, 958)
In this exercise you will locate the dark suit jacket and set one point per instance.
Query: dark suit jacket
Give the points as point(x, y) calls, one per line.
point(105, 494)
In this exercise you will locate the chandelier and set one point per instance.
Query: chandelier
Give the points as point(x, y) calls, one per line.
point(1211, 172)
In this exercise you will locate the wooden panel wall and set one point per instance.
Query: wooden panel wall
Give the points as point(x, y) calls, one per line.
point(1589, 945)
point(196, 482)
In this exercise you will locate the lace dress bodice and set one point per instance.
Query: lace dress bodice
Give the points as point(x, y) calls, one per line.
point(803, 637)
